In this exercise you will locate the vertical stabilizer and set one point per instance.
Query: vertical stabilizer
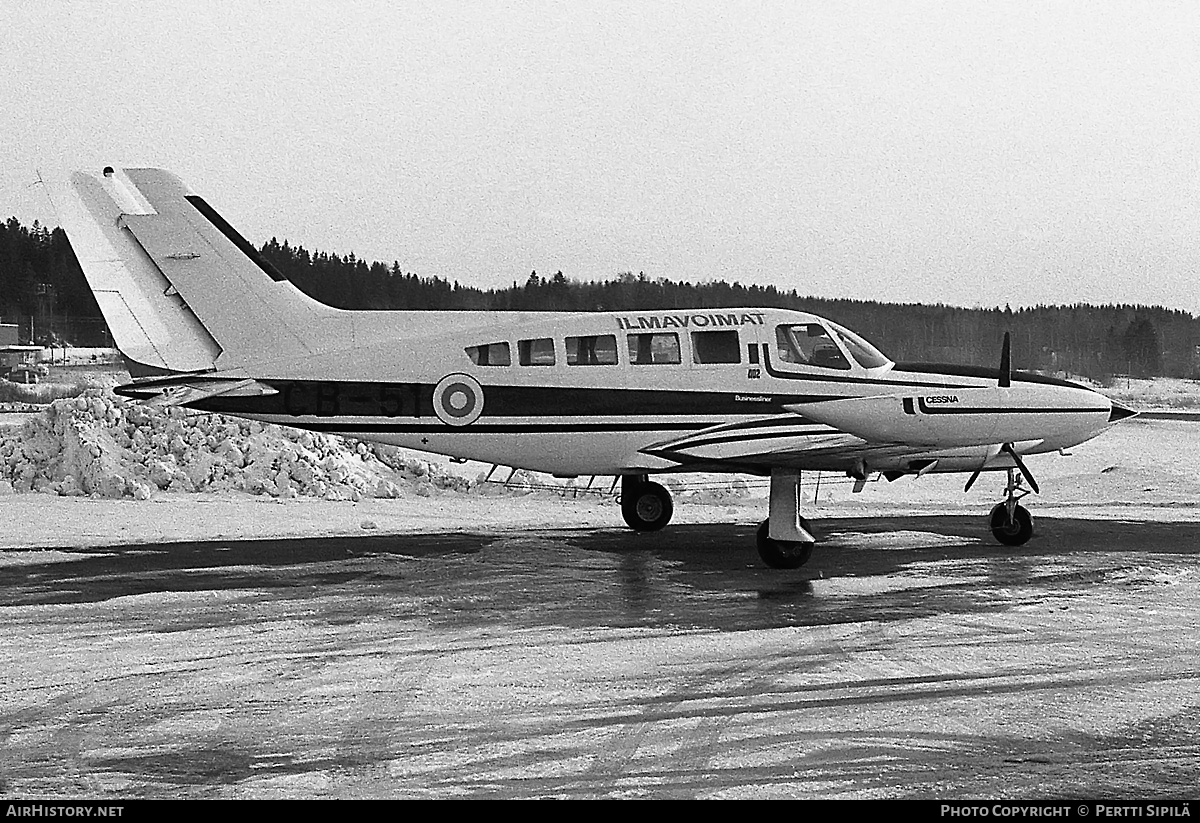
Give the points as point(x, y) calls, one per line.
point(151, 328)
point(180, 289)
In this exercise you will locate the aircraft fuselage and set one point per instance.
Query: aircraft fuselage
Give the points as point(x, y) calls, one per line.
point(643, 392)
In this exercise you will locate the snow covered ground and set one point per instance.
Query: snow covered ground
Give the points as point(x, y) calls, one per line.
point(529, 653)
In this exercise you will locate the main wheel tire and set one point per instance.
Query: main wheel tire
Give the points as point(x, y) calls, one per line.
point(783, 554)
point(647, 507)
point(1015, 532)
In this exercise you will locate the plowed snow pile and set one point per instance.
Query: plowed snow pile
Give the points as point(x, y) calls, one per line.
point(95, 445)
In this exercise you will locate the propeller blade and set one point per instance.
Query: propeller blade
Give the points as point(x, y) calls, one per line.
point(1006, 362)
point(971, 480)
point(1008, 447)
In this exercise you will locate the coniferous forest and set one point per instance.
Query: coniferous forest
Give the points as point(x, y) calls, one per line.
point(42, 287)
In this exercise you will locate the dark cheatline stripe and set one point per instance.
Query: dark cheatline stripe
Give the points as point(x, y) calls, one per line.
point(537, 401)
point(408, 400)
point(955, 370)
point(939, 369)
point(210, 214)
point(491, 428)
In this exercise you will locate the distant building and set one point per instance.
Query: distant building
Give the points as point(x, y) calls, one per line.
point(12, 354)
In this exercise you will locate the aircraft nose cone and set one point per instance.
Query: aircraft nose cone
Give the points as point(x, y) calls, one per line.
point(1119, 413)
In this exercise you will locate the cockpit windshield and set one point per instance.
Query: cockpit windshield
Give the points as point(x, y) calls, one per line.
point(814, 344)
point(867, 355)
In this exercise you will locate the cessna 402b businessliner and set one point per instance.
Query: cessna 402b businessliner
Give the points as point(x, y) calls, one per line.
point(205, 322)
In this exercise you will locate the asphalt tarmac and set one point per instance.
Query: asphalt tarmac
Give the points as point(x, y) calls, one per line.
point(912, 658)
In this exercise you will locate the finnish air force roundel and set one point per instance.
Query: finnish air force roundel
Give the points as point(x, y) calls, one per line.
point(458, 399)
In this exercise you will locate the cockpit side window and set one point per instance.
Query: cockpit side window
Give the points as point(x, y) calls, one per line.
point(493, 354)
point(536, 352)
point(653, 348)
point(809, 344)
point(592, 350)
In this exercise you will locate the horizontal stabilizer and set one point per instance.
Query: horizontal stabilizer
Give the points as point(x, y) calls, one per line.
point(183, 390)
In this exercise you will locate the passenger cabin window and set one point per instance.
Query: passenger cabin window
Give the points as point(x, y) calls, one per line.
point(716, 347)
point(536, 352)
point(493, 354)
point(653, 348)
point(592, 350)
point(809, 344)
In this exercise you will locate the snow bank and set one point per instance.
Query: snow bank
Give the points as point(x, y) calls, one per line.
point(102, 446)
point(95, 445)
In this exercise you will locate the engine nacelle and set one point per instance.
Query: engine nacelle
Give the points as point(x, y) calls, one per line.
point(968, 416)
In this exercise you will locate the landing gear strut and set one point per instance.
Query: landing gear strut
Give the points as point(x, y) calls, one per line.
point(1011, 522)
point(784, 539)
point(646, 506)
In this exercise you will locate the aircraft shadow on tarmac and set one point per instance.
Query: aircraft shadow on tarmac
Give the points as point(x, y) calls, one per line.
point(701, 575)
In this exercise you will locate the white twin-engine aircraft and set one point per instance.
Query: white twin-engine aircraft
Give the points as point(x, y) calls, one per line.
point(204, 321)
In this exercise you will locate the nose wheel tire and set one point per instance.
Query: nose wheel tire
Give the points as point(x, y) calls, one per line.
point(783, 554)
point(1011, 532)
point(646, 507)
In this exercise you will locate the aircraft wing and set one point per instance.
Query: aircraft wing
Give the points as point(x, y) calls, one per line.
point(778, 440)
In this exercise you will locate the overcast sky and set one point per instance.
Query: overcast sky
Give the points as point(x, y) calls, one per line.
point(966, 153)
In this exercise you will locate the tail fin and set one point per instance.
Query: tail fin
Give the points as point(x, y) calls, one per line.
point(180, 289)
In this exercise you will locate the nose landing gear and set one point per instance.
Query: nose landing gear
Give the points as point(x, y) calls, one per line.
point(1011, 522)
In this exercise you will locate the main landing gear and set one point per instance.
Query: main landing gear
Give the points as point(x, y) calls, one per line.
point(646, 506)
point(1011, 522)
point(783, 554)
point(784, 539)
